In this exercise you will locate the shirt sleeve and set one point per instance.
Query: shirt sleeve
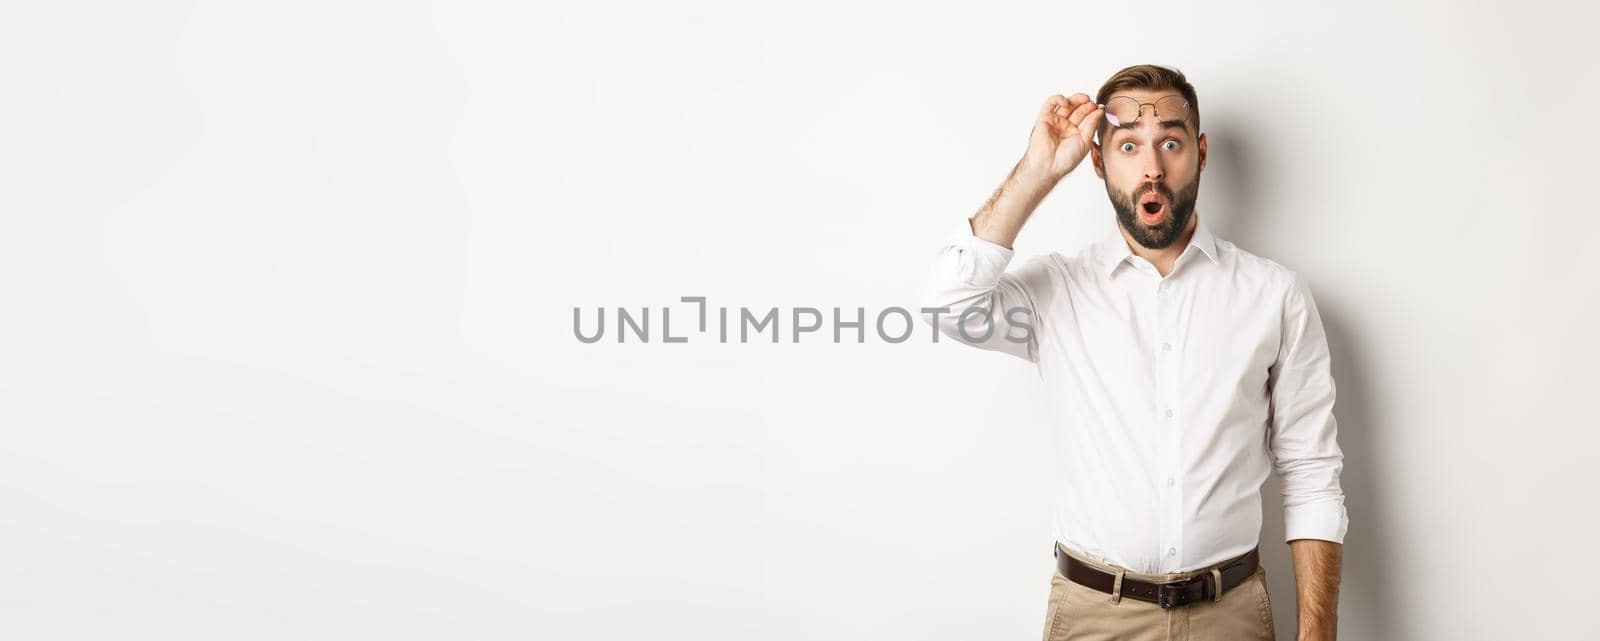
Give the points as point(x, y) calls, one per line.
point(971, 298)
point(1304, 440)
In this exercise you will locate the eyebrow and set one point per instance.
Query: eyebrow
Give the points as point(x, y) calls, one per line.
point(1165, 124)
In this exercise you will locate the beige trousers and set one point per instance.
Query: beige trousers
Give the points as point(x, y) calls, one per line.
point(1081, 613)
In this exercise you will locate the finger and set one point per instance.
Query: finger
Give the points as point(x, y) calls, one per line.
point(1053, 106)
point(1090, 123)
point(1079, 113)
point(1077, 99)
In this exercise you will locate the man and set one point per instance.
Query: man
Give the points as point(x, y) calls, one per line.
point(1181, 367)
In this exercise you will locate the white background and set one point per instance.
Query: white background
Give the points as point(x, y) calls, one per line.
point(287, 344)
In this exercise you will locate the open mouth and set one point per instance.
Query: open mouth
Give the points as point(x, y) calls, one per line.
point(1152, 207)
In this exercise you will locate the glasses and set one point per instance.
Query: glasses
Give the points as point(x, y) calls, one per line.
point(1123, 111)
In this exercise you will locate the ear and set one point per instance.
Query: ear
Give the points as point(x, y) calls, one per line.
point(1202, 151)
point(1099, 163)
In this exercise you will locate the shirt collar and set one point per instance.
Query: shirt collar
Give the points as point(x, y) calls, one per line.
point(1115, 250)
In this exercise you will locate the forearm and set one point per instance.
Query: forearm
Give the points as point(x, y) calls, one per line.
point(1316, 579)
point(1002, 217)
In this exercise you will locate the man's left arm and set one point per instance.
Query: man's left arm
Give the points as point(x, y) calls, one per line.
point(1306, 454)
point(1316, 583)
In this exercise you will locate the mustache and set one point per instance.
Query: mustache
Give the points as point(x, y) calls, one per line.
point(1149, 187)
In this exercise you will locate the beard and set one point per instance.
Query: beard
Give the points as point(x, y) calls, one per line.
point(1161, 235)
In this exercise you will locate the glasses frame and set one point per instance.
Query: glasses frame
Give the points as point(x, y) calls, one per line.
point(1117, 122)
point(1154, 111)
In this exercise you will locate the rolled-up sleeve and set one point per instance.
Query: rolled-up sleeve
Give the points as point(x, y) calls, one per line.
point(971, 298)
point(1304, 439)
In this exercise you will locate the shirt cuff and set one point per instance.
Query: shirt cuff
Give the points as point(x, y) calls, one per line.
point(980, 262)
point(1326, 521)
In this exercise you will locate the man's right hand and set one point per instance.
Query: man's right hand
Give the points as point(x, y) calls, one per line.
point(1061, 135)
point(1060, 139)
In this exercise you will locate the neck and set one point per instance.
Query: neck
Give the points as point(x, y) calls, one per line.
point(1164, 258)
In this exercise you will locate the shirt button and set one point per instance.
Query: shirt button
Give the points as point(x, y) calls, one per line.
point(1169, 413)
point(1169, 481)
point(1166, 347)
point(1172, 551)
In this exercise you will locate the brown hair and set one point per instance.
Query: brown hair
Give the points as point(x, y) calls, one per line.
point(1153, 78)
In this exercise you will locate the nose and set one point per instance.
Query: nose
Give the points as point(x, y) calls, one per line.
point(1149, 157)
point(1153, 171)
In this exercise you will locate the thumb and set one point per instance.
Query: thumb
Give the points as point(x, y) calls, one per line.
point(1089, 124)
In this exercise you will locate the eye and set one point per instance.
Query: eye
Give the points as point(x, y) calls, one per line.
point(1170, 145)
point(1126, 147)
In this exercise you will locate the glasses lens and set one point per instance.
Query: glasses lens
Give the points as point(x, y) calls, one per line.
point(1172, 108)
point(1122, 110)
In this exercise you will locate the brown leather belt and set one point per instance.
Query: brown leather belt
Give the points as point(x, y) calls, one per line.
point(1201, 587)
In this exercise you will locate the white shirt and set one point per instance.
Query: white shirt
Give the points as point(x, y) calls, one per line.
point(1173, 396)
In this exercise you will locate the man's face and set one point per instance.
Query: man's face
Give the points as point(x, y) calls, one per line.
point(1152, 170)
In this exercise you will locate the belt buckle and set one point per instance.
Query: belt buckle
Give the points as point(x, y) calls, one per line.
point(1162, 593)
